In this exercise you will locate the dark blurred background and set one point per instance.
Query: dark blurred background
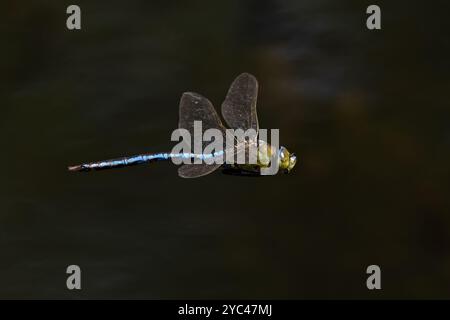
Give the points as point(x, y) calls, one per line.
point(367, 111)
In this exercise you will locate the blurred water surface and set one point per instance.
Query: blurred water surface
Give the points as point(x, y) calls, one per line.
point(366, 111)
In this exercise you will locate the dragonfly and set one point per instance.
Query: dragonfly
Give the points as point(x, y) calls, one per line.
point(238, 111)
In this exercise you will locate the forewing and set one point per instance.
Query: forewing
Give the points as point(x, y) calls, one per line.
point(239, 107)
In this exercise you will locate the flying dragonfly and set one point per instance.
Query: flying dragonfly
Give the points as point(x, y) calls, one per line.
point(238, 111)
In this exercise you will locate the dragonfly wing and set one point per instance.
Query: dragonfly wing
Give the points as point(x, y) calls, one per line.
point(199, 170)
point(239, 107)
point(196, 170)
point(195, 107)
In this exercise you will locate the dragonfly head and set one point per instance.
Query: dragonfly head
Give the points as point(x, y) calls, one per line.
point(287, 160)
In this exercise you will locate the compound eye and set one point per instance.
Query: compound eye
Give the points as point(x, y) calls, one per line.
point(283, 154)
point(292, 160)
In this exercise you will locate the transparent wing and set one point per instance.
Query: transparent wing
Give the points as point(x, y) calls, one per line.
point(239, 107)
point(196, 170)
point(195, 107)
